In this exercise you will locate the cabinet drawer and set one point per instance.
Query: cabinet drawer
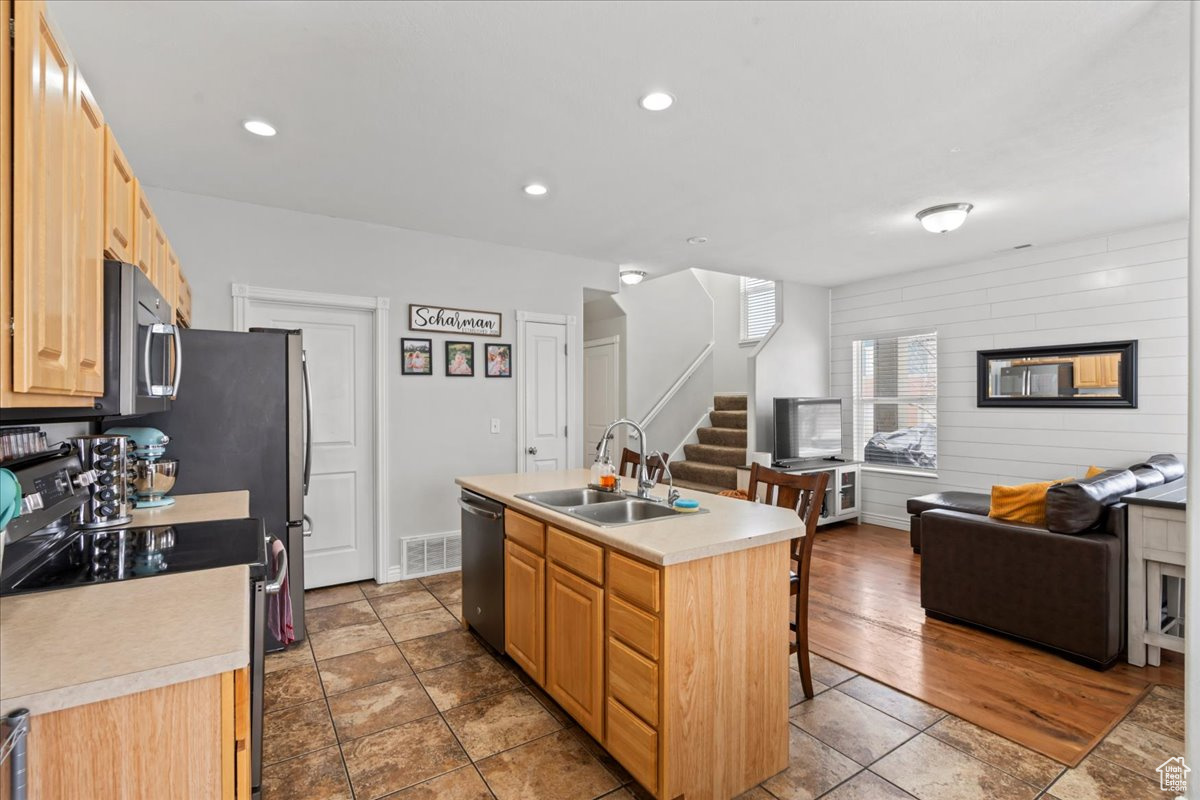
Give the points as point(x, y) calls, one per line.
point(582, 558)
point(634, 744)
point(635, 582)
point(526, 531)
point(633, 626)
point(633, 680)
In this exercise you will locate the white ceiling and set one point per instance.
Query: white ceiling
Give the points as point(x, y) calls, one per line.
point(804, 137)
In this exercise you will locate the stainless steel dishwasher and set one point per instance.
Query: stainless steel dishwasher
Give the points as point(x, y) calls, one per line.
point(483, 566)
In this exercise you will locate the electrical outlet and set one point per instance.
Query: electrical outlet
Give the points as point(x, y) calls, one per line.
point(495, 425)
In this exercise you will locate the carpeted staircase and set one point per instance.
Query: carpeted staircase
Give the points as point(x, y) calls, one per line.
point(710, 466)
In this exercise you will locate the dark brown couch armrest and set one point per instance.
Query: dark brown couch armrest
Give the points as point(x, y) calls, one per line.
point(1063, 591)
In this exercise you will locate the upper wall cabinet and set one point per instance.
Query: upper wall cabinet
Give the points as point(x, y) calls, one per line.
point(73, 200)
point(46, 271)
point(89, 247)
point(144, 249)
point(120, 199)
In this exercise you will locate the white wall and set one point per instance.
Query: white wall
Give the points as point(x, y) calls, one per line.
point(669, 322)
point(438, 426)
point(729, 357)
point(794, 359)
point(1129, 285)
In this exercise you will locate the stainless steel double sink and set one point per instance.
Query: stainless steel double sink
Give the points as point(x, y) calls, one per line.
point(606, 509)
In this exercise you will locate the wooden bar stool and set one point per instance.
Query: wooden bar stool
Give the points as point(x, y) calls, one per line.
point(803, 494)
point(630, 459)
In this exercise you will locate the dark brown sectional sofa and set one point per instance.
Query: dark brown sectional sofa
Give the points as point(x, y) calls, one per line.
point(1061, 586)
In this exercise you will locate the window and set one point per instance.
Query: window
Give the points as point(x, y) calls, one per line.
point(758, 308)
point(895, 401)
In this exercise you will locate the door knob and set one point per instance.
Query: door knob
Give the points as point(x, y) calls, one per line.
point(532, 451)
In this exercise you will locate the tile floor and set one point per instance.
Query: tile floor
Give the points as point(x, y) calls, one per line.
point(390, 698)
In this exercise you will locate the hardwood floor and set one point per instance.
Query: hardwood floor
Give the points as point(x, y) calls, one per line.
point(865, 613)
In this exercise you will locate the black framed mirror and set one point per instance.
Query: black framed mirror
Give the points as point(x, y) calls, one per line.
point(1100, 375)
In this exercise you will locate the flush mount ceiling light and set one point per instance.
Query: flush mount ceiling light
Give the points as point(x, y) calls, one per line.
point(697, 239)
point(944, 218)
point(631, 277)
point(259, 128)
point(535, 189)
point(656, 101)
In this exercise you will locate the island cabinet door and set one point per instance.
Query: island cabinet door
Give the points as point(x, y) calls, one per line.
point(575, 647)
point(525, 609)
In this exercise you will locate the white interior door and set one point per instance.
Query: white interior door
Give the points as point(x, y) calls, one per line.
point(340, 347)
point(545, 375)
point(601, 395)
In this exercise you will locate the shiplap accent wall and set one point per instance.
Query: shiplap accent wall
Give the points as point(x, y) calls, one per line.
point(1129, 285)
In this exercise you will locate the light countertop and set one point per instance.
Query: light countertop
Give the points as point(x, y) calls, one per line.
point(1167, 495)
point(195, 508)
point(69, 647)
point(731, 525)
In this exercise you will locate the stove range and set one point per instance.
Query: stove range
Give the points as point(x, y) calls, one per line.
point(87, 557)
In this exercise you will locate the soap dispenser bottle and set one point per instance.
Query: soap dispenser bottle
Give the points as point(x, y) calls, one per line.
point(604, 474)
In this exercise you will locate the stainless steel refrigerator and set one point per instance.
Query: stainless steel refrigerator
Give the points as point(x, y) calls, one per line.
point(242, 420)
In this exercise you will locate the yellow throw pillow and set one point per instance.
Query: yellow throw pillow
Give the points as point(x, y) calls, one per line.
point(1025, 503)
point(1094, 471)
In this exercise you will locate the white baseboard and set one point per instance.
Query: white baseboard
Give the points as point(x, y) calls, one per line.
point(886, 520)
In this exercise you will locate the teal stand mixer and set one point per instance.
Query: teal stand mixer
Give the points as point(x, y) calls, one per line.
point(153, 475)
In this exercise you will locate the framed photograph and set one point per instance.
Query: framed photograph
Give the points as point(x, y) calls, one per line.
point(499, 361)
point(416, 357)
point(460, 359)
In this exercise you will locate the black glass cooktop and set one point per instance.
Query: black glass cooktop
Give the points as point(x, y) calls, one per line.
point(86, 557)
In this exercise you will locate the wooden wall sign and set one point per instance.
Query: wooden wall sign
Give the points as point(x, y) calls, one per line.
point(442, 319)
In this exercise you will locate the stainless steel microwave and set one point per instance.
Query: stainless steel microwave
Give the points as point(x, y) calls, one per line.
point(143, 359)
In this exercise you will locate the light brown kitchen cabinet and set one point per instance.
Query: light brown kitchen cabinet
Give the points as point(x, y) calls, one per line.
point(159, 276)
point(144, 224)
point(44, 241)
point(89, 258)
point(187, 739)
point(575, 647)
point(1098, 372)
point(120, 199)
point(183, 313)
point(170, 281)
point(235, 735)
point(525, 608)
point(50, 184)
point(636, 654)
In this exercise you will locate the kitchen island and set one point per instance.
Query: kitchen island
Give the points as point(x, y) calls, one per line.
point(667, 640)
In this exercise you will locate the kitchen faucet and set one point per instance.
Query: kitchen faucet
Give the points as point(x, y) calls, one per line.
point(644, 484)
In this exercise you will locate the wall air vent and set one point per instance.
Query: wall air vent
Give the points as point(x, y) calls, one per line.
point(431, 554)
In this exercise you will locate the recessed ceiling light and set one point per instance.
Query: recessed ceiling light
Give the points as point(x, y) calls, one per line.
point(944, 218)
point(632, 276)
point(697, 239)
point(535, 189)
point(259, 128)
point(657, 101)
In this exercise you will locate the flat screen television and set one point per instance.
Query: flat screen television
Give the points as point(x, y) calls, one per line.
point(807, 428)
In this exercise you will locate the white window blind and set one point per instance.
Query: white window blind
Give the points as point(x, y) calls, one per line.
point(895, 401)
point(758, 308)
